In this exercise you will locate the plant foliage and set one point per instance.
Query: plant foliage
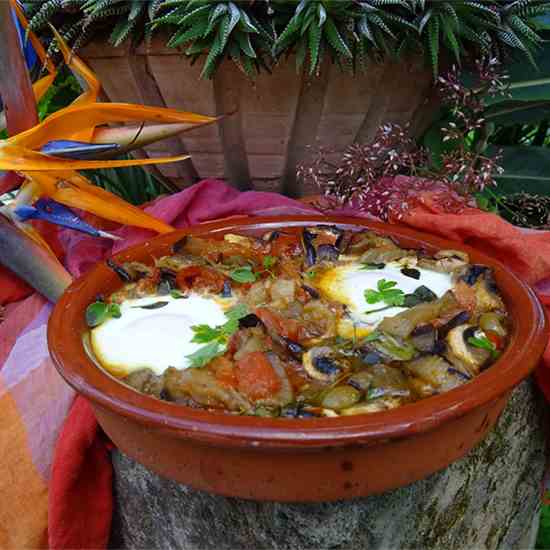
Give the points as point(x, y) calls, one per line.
point(255, 34)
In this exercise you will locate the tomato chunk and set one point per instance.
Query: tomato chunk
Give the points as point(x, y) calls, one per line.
point(200, 277)
point(256, 377)
point(224, 371)
point(289, 328)
point(494, 338)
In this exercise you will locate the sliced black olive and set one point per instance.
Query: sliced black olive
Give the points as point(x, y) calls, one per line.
point(226, 292)
point(312, 292)
point(410, 272)
point(295, 349)
point(372, 358)
point(423, 337)
point(120, 271)
point(326, 365)
point(178, 246)
point(374, 265)
point(249, 321)
point(459, 319)
point(164, 395)
point(459, 373)
point(327, 252)
point(309, 249)
point(473, 274)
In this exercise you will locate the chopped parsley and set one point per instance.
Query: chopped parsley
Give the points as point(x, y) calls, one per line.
point(215, 338)
point(99, 312)
point(386, 293)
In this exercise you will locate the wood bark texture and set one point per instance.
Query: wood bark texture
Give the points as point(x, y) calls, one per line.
point(489, 499)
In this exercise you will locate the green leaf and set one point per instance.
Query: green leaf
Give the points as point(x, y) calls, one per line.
point(204, 355)
point(525, 169)
point(335, 39)
point(243, 275)
point(237, 312)
point(230, 327)
point(114, 311)
point(177, 295)
point(204, 334)
point(481, 342)
point(96, 313)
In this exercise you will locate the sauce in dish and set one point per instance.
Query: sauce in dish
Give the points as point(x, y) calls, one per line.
point(317, 322)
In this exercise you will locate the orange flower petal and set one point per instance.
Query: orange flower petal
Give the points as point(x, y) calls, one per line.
point(24, 160)
point(68, 122)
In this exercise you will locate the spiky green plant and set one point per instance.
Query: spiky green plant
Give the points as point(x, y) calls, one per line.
point(256, 33)
point(218, 30)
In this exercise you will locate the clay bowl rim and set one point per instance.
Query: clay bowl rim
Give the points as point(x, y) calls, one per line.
point(66, 326)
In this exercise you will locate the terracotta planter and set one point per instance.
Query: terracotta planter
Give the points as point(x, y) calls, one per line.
point(278, 116)
point(302, 459)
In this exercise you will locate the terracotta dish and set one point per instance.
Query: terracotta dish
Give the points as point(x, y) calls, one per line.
point(312, 459)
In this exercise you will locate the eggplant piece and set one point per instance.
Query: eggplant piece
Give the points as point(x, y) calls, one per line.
point(435, 371)
point(383, 255)
point(120, 271)
point(249, 321)
point(202, 387)
point(298, 411)
point(179, 245)
point(309, 249)
point(327, 252)
point(411, 272)
point(459, 319)
point(312, 292)
point(473, 273)
point(424, 337)
point(391, 348)
point(341, 397)
point(167, 281)
point(145, 381)
point(371, 357)
point(421, 295)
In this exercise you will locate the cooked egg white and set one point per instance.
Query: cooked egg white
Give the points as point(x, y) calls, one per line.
point(155, 338)
point(347, 283)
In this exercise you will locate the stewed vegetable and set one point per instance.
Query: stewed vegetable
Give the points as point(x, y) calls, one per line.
point(302, 323)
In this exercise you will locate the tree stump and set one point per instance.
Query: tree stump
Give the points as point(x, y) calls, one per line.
point(488, 499)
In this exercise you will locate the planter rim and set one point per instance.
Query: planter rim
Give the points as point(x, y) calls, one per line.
point(67, 326)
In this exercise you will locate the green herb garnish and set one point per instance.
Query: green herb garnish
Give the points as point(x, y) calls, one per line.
point(243, 275)
point(204, 355)
point(482, 342)
point(177, 295)
point(310, 274)
point(215, 338)
point(386, 293)
point(99, 312)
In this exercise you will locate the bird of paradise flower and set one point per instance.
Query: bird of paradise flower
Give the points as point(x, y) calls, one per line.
point(50, 154)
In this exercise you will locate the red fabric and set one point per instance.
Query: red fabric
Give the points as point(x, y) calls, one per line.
point(80, 496)
point(80, 491)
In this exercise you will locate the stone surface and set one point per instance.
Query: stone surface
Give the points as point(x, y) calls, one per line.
point(489, 499)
